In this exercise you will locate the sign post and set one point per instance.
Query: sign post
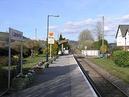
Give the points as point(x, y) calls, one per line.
point(14, 35)
point(86, 50)
point(9, 62)
point(21, 56)
point(50, 41)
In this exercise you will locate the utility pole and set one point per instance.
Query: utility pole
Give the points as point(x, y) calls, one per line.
point(103, 31)
point(48, 32)
point(35, 33)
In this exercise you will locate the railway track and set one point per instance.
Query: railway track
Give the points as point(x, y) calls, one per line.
point(102, 86)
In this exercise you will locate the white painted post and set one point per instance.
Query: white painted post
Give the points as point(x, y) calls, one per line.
point(9, 61)
point(50, 50)
point(62, 48)
point(21, 57)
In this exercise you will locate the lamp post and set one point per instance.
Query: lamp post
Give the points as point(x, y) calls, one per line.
point(48, 32)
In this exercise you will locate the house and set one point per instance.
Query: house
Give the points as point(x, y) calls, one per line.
point(122, 36)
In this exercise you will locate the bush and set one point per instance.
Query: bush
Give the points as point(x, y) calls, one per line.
point(31, 77)
point(103, 48)
point(14, 60)
point(20, 82)
point(26, 52)
point(38, 69)
point(3, 60)
point(97, 44)
point(121, 58)
point(3, 51)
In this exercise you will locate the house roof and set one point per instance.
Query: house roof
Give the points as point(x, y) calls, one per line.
point(124, 29)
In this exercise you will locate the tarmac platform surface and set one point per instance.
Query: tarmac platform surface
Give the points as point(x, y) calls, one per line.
point(63, 78)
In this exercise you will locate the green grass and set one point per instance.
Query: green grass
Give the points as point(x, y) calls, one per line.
point(30, 62)
point(111, 67)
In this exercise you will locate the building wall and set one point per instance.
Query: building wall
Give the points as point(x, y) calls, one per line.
point(127, 39)
point(120, 39)
point(95, 53)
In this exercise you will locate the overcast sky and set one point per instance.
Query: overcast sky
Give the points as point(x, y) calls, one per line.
point(75, 16)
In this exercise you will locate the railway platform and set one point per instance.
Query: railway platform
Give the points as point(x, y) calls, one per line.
point(63, 78)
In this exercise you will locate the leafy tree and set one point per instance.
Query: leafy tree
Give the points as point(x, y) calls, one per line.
point(65, 44)
point(45, 51)
point(85, 39)
point(61, 37)
point(103, 48)
point(98, 44)
point(85, 35)
point(33, 46)
point(99, 30)
point(16, 46)
point(29, 44)
point(55, 48)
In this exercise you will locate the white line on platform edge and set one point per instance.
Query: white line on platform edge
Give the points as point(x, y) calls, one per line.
point(91, 88)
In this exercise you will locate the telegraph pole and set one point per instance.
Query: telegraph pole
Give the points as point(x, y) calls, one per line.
point(48, 32)
point(35, 33)
point(103, 31)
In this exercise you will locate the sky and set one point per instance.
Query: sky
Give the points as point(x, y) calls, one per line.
point(75, 16)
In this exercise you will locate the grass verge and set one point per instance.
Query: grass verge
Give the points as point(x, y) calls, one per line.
point(31, 62)
point(28, 63)
point(111, 67)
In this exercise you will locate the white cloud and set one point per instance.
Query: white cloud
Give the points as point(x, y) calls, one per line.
point(75, 27)
point(124, 19)
point(53, 27)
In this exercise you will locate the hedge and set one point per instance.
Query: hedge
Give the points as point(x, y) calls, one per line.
point(121, 58)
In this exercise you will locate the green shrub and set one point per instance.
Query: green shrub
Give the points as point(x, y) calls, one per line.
point(121, 58)
point(3, 60)
point(31, 77)
point(26, 52)
point(104, 48)
point(46, 65)
point(3, 51)
point(20, 83)
point(14, 60)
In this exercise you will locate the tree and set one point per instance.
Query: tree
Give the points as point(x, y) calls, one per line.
point(99, 30)
point(16, 46)
point(97, 44)
point(61, 37)
point(55, 48)
point(104, 49)
point(65, 44)
point(85, 35)
point(33, 46)
point(85, 39)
